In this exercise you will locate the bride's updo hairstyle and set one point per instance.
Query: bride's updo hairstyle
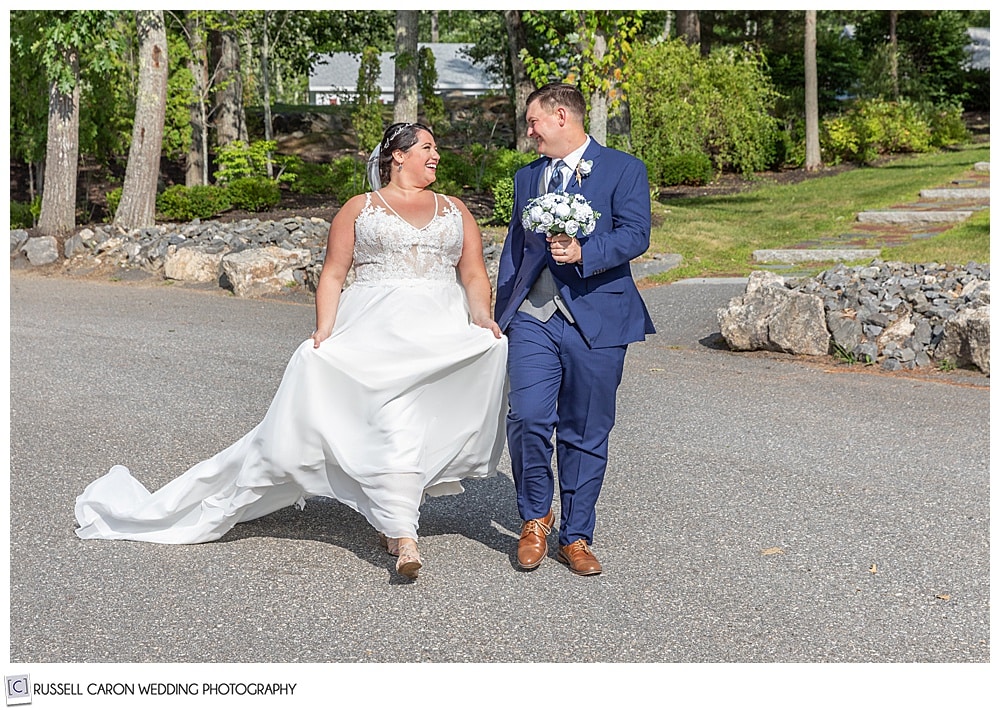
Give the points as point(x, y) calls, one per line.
point(398, 136)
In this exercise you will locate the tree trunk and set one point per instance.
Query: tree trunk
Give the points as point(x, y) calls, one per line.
point(706, 31)
point(405, 84)
point(598, 98)
point(435, 26)
point(688, 26)
point(32, 180)
point(62, 155)
point(265, 51)
point(197, 157)
point(894, 53)
point(279, 86)
point(813, 160)
point(230, 117)
point(523, 86)
point(138, 204)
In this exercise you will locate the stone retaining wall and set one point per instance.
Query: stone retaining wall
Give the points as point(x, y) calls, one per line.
point(250, 257)
point(901, 316)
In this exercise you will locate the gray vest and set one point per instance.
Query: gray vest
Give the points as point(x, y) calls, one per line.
point(543, 300)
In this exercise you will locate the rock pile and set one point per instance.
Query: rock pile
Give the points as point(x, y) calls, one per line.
point(902, 316)
point(250, 257)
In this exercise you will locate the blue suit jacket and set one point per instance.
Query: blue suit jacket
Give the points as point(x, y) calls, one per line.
point(600, 292)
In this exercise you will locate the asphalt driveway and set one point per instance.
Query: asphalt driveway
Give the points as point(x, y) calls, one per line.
point(757, 509)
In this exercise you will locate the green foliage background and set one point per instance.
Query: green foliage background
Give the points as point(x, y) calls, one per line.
point(738, 105)
point(720, 106)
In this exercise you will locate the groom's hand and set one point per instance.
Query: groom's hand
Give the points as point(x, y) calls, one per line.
point(565, 249)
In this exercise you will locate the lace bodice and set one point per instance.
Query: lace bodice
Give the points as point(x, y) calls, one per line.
point(388, 248)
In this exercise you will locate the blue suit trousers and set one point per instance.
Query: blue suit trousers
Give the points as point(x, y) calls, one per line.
point(559, 384)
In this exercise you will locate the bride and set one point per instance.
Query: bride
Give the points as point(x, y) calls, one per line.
point(398, 394)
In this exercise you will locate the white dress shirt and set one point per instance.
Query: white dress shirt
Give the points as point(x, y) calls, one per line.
point(570, 163)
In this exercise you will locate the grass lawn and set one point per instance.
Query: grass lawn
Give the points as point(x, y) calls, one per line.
point(716, 236)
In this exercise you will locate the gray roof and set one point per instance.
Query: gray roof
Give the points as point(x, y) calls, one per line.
point(339, 71)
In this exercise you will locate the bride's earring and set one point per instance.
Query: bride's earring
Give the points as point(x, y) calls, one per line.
point(399, 168)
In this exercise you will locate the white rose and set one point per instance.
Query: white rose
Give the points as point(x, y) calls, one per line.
point(572, 227)
point(562, 210)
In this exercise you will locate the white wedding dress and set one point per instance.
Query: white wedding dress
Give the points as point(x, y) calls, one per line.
point(405, 398)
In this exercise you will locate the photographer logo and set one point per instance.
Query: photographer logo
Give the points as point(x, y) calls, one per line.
point(18, 689)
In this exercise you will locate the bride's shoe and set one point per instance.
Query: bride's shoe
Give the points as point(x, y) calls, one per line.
point(408, 563)
point(389, 544)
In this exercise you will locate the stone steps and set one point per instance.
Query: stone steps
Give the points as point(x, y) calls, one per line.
point(938, 209)
point(913, 216)
point(804, 256)
point(957, 193)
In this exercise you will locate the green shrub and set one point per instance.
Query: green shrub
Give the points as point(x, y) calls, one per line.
point(894, 127)
point(183, 203)
point(312, 178)
point(21, 216)
point(455, 170)
point(874, 127)
point(686, 169)
point(433, 105)
point(238, 160)
point(503, 200)
point(838, 140)
point(720, 106)
point(788, 150)
point(478, 168)
point(366, 118)
point(113, 199)
point(502, 163)
point(977, 88)
point(446, 186)
point(253, 194)
point(947, 126)
point(347, 175)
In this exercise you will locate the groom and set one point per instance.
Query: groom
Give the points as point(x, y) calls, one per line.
point(570, 308)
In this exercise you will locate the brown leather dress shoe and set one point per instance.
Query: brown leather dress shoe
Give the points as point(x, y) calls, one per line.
point(579, 558)
point(533, 545)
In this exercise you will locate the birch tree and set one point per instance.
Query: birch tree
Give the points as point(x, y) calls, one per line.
point(63, 35)
point(196, 165)
point(138, 202)
point(62, 151)
point(230, 116)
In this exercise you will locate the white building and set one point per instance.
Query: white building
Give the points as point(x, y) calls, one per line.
point(333, 79)
point(978, 48)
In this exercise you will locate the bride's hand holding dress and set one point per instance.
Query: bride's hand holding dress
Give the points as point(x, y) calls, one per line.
point(339, 258)
point(472, 270)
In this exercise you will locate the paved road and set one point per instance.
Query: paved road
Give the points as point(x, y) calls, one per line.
point(757, 508)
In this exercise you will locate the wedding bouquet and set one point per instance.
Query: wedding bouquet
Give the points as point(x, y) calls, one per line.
point(559, 213)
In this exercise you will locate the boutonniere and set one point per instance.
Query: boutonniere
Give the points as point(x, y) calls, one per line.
point(583, 169)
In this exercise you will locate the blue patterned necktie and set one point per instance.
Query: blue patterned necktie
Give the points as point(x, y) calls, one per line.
point(555, 181)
